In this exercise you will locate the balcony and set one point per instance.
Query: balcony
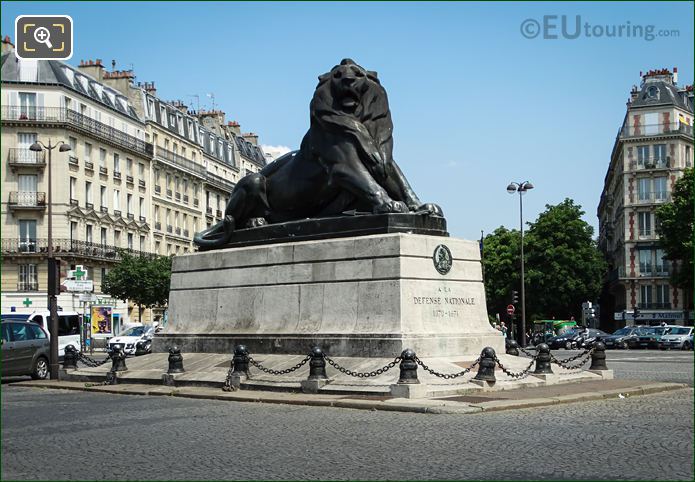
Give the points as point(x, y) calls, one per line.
point(88, 166)
point(185, 198)
point(219, 182)
point(74, 202)
point(103, 170)
point(650, 130)
point(178, 231)
point(170, 228)
point(34, 116)
point(157, 189)
point(129, 179)
point(208, 211)
point(141, 183)
point(64, 248)
point(116, 174)
point(27, 200)
point(104, 209)
point(654, 197)
point(196, 202)
point(158, 226)
point(169, 193)
point(131, 216)
point(219, 213)
point(23, 157)
point(117, 212)
point(651, 163)
point(180, 162)
point(177, 196)
point(27, 286)
point(185, 233)
point(142, 219)
point(654, 306)
point(73, 160)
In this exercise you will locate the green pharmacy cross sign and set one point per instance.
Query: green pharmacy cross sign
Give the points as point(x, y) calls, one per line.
point(79, 273)
point(27, 302)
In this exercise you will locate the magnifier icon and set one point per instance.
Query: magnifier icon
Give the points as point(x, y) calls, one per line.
point(43, 36)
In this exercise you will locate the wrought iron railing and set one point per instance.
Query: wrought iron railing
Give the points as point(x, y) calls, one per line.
point(27, 199)
point(645, 130)
point(24, 157)
point(77, 121)
point(219, 181)
point(178, 160)
point(66, 247)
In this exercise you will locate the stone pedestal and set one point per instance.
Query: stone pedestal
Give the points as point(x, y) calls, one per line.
point(366, 296)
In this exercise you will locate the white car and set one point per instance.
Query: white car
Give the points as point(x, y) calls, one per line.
point(136, 340)
point(677, 337)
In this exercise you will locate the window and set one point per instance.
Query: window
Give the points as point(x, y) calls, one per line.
point(73, 188)
point(116, 237)
point(142, 243)
point(643, 188)
point(130, 240)
point(37, 332)
point(27, 105)
point(88, 153)
point(116, 163)
point(141, 211)
point(141, 170)
point(156, 214)
point(195, 224)
point(176, 219)
point(88, 193)
point(73, 143)
point(660, 189)
point(157, 247)
point(28, 278)
point(644, 223)
point(129, 203)
point(88, 233)
point(642, 155)
point(688, 158)
point(177, 184)
point(646, 294)
point(156, 176)
point(103, 236)
point(116, 199)
point(103, 197)
point(129, 166)
point(645, 262)
point(176, 148)
point(73, 230)
point(184, 221)
point(660, 155)
point(660, 262)
point(168, 181)
point(662, 296)
point(163, 116)
point(27, 235)
point(185, 186)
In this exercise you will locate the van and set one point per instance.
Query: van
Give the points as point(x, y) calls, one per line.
point(68, 328)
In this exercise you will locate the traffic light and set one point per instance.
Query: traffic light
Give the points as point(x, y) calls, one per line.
point(515, 297)
point(53, 277)
point(636, 312)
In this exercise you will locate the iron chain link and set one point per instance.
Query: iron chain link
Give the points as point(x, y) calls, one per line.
point(91, 362)
point(446, 376)
point(585, 355)
point(526, 352)
point(227, 387)
point(374, 373)
point(518, 375)
point(279, 372)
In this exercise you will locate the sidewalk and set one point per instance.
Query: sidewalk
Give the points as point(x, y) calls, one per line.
point(461, 404)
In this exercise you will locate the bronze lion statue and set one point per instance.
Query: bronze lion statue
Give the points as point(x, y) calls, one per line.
point(344, 163)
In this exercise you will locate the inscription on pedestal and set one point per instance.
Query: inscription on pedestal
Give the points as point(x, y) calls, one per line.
point(443, 303)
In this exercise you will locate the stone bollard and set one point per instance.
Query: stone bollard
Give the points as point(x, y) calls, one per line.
point(317, 364)
point(408, 367)
point(512, 348)
point(175, 360)
point(118, 359)
point(486, 367)
point(241, 360)
point(543, 360)
point(598, 357)
point(70, 358)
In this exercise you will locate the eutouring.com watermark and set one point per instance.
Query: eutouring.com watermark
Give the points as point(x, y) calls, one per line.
point(571, 27)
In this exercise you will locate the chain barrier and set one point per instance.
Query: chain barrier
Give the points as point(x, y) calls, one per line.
point(584, 356)
point(374, 373)
point(91, 362)
point(278, 372)
point(228, 387)
point(519, 375)
point(526, 352)
point(447, 376)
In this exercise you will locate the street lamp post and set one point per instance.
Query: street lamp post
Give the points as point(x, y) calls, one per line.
point(38, 146)
point(521, 188)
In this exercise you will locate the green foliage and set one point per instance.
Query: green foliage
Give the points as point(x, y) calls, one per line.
point(140, 279)
point(563, 264)
point(675, 228)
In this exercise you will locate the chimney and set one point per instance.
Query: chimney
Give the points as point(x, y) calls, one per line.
point(93, 68)
point(7, 45)
point(150, 88)
point(119, 80)
point(234, 127)
point(212, 119)
point(675, 75)
point(180, 106)
point(251, 138)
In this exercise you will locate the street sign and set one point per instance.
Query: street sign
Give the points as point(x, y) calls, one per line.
point(78, 285)
point(88, 298)
point(510, 309)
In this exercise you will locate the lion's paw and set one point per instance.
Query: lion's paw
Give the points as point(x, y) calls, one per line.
point(391, 207)
point(432, 209)
point(255, 222)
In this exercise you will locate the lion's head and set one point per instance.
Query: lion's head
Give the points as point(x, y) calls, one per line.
point(351, 89)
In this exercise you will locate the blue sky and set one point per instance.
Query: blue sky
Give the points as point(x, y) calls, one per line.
point(475, 104)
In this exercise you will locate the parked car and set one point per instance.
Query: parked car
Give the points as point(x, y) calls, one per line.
point(68, 328)
point(580, 338)
point(132, 337)
point(623, 338)
point(679, 337)
point(25, 349)
point(649, 336)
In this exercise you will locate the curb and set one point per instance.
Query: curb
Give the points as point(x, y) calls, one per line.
point(395, 405)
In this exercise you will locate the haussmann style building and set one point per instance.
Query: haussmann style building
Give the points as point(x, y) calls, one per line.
point(653, 147)
point(142, 174)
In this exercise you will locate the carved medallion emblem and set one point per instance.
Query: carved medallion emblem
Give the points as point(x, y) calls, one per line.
point(442, 259)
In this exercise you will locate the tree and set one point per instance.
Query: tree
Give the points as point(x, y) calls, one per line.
point(140, 279)
point(563, 265)
point(675, 228)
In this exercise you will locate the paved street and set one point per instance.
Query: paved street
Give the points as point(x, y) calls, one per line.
point(79, 435)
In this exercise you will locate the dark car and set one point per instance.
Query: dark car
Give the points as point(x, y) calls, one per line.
point(649, 336)
point(623, 338)
point(562, 341)
point(580, 338)
point(25, 349)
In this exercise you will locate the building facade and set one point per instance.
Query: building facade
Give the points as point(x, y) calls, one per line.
point(142, 174)
point(653, 147)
